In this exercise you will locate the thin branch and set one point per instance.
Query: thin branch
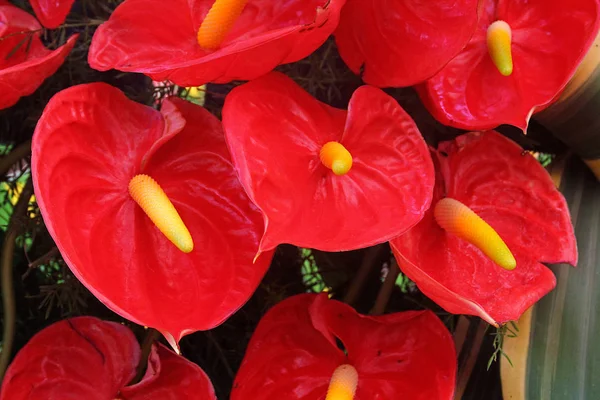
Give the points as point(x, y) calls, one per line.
point(91, 22)
point(6, 266)
point(25, 32)
point(368, 263)
point(221, 354)
point(383, 297)
point(20, 152)
point(53, 253)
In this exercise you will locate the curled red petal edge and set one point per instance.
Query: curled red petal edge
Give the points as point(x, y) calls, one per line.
point(170, 373)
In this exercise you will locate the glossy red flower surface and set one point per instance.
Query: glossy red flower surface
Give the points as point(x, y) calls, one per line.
point(293, 353)
point(513, 193)
point(275, 131)
point(51, 13)
point(89, 143)
point(159, 39)
point(549, 40)
point(403, 42)
point(87, 358)
point(24, 61)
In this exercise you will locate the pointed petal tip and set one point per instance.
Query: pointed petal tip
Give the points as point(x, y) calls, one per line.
point(172, 342)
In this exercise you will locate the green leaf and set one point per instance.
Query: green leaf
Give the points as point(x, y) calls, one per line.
point(564, 350)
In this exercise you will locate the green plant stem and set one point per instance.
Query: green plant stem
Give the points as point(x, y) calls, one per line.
point(383, 297)
point(466, 368)
point(18, 153)
point(6, 267)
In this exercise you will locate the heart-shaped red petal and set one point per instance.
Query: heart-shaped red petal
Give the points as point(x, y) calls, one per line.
point(275, 131)
point(89, 143)
point(511, 191)
point(549, 40)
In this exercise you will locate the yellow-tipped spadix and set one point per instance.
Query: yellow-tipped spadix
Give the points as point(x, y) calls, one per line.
point(458, 219)
point(335, 157)
point(218, 22)
point(343, 383)
point(148, 194)
point(499, 42)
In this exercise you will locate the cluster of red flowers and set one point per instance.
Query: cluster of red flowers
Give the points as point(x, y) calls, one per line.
point(170, 217)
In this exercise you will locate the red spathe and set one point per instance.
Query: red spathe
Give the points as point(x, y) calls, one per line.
point(87, 358)
point(549, 40)
point(159, 38)
point(275, 131)
point(51, 13)
point(24, 61)
point(90, 141)
point(512, 192)
point(293, 353)
point(403, 42)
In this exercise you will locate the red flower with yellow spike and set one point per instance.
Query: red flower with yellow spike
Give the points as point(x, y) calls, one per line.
point(158, 227)
point(200, 41)
point(86, 358)
point(294, 355)
point(521, 56)
point(24, 61)
point(323, 177)
point(403, 42)
point(51, 13)
point(496, 216)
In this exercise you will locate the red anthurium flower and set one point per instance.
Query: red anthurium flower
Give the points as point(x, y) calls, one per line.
point(403, 42)
point(327, 178)
point(87, 358)
point(51, 13)
point(293, 354)
point(167, 39)
point(24, 61)
point(521, 56)
point(509, 190)
point(97, 154)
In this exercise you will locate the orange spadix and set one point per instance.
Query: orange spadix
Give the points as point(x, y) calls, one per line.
point(148, 194)
point(499, 41)
point(343, 383)
point(458, 219)
point(218, 22)
point(336, 157)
